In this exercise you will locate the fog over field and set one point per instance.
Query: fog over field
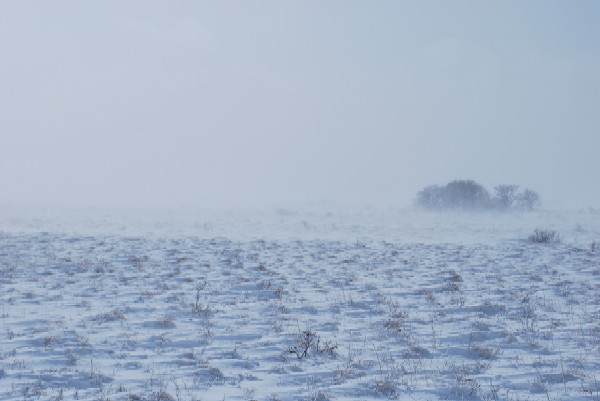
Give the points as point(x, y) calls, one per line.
point(266, 103)
point(299, 200)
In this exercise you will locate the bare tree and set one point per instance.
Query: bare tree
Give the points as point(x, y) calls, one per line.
point(431, 197)
point(466, 195)
point(506, 195)
point(528, 199)
point(458, 194)
point(469, 195)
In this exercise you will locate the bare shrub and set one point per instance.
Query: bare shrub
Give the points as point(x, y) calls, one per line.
point(161, 395)
point(306, 340)
point(197, 307)
point(388, 382)
point(485, 351)
point(387, 386)
point(545, 236)
point(465, 387)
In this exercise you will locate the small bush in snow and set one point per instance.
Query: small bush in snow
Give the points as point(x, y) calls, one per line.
point(545, 236)
point(306, 340)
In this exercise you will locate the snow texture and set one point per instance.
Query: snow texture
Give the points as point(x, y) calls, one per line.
point(300, 306)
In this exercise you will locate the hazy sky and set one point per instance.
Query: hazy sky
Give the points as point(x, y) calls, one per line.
point(189, 103)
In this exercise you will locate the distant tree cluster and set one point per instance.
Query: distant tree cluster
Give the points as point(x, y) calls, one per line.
point(469, 195)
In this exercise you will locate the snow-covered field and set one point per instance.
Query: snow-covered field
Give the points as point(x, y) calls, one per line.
point(295, 305)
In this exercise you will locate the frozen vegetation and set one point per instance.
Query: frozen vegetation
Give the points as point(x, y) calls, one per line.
point(300, 306)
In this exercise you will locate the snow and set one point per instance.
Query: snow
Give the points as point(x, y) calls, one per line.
point(298, 305)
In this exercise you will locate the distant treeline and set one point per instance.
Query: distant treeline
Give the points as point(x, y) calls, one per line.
point(469, 195)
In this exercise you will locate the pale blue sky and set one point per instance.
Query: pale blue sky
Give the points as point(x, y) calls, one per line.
point(188, 103)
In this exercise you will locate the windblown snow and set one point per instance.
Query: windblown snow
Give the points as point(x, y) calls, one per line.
point(300, 306)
